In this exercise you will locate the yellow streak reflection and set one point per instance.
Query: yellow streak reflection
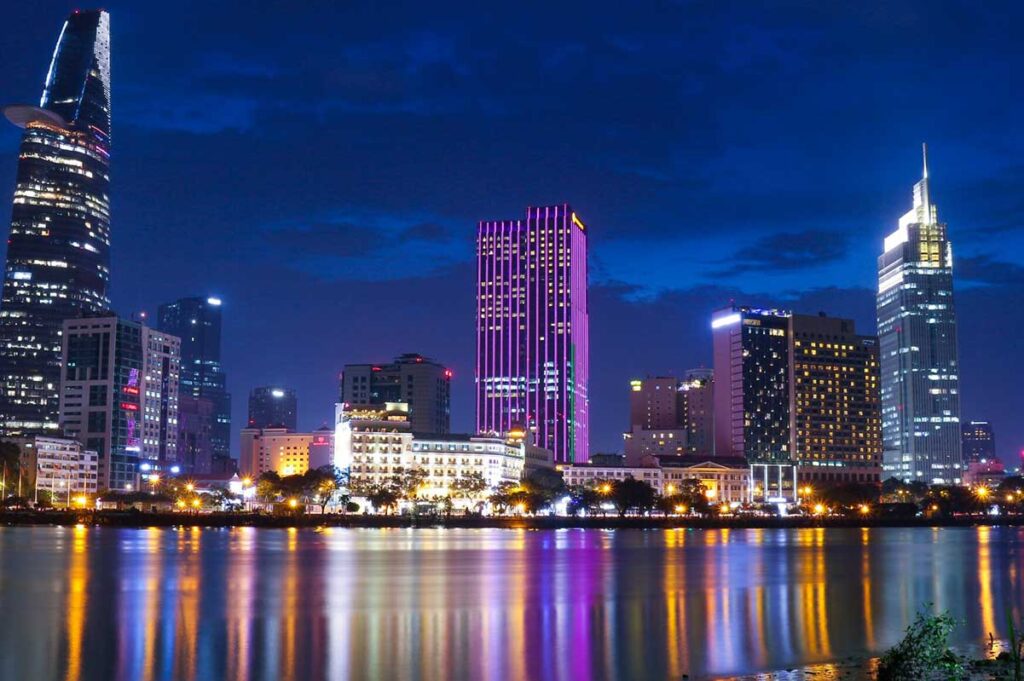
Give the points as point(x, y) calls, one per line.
point(988, 619)
point(77, 601)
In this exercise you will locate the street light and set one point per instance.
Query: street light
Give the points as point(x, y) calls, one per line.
point(292, 503)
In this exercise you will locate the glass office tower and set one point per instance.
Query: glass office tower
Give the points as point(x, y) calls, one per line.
point(58, 253)
point(917, 338)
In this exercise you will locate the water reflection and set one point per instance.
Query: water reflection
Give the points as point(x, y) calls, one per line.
point(189, 603)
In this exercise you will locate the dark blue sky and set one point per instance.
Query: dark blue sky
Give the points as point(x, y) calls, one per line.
point(322, 167)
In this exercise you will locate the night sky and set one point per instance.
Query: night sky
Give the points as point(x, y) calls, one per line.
point(322, 166)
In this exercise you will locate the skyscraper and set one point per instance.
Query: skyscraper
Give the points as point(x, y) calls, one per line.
point(273, 407)
point(532, 355)
point(751, 395)
point(698, 391)
point(835, 409)
point(119, 395)
point(58, 253)
point(197, 322)
point(917, 335)
point(420, 382)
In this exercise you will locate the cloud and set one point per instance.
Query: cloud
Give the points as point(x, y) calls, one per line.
point(788, 251)
point(984, 269)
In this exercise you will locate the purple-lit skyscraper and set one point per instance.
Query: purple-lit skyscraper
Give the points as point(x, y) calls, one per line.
point(533, 329)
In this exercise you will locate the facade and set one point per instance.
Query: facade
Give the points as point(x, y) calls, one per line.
point(751, 396)
point(321, 448)
point(979, 442)
point(119, 395)
point(273, 407)
point(532, 359)
point(834, 401)
point(640, 443)
point(655, 403)
point(375, 442)
point(989, 473)
point(195, 428)
point(698, 390)
point(277, 450)
point(58, 253)
point(197, 322)
point(420, 382)
point(797, 396)
point(727, 479)
point(58, 466)
point(918, 339)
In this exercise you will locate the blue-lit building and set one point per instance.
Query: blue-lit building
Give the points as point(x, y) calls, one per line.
point(197, 322)
point(918, 347)
point(58, 253)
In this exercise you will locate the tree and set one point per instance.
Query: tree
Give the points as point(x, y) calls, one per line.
point(849, 495)
point(629, 494)
point(408, 482)
point(583, 498)
point(383, 497)
point(328, 484)
point(469, 486)
point(268, 486)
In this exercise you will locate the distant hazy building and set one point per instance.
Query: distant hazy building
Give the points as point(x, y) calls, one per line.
point(420, 382)
point(58, 250)
point(669, 416)
point(979, 441)
point(197, 322)
point(918, 337)
point(697, 391)
point(657, 415)
point(119, 395)
point(533, 329)
point(195, 428)
point(273, 407)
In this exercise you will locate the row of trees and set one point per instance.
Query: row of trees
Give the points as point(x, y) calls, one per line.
point(410, 485)
point(322, 486)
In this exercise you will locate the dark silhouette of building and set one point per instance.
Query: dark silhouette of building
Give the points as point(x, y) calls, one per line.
point(58, 253)
point(420, 382)
point(273, 407)
point(979, 442)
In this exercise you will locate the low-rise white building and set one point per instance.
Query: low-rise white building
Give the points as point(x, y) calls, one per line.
point(60, 466)
point(727, 479)
point(374, 442)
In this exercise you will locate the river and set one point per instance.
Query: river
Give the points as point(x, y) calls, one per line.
point(84, 603)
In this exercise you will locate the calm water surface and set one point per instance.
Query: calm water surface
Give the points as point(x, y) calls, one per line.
point(243, 603)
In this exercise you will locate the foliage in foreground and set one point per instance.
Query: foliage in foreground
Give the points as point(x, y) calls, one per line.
point(923, 653)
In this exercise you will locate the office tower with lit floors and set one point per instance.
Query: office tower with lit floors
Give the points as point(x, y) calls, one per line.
point(918, 342)
point(751, 396)
point(532, 346)
point(197, 322)
point(58, 252)
point(119, 396)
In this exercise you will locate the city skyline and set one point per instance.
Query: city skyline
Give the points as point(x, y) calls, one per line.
point(628, 290)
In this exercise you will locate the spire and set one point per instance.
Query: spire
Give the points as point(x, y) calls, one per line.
point(924, 154)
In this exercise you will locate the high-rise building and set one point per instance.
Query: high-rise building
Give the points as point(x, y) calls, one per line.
point(979, 442)
point(834, 401)
point(751, 374)
point(197, 322)
point(420, 382)
point(657, 419)
point(119, 396)
point(195, 426)
point(797, 396)
point(917, 336)
point(58, 251)
point(532, 358)
point(698, 390)
point(273, 407)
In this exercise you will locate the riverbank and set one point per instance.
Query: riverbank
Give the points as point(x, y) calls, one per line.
point(170, 519)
